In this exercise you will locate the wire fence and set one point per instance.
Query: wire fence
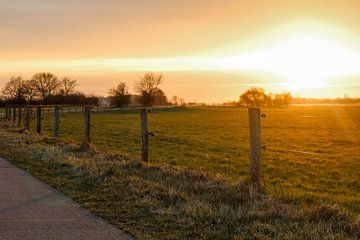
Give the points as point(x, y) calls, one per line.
point(196, 138)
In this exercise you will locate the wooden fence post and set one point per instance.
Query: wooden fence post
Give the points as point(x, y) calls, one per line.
point(144, 135)
point(38, 119)
point(87, 124)
point(10, 112)
point(255, 143)
point(8, 116)
point(6, 113)
point(19, 122)
point(56, 121)
point(14, 115)
point(28, 111)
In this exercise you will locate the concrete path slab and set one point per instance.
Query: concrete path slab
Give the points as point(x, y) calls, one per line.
point(30, 209)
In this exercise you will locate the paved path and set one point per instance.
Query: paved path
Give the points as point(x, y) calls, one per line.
point(30, 209)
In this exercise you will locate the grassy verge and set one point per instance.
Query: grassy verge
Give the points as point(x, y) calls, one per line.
point(160, 201)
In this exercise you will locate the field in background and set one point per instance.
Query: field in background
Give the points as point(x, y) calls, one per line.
point(312, 153)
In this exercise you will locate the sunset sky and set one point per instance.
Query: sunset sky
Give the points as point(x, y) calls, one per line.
point(208, 50)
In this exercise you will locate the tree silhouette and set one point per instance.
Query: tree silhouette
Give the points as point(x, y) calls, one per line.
point(14, 89)
point(254, 97)
point(147, 87)
point(160, 98)
point(119, 96)
point(30, 91)
point(44, 88)
point(46, 84)
point(67, 86)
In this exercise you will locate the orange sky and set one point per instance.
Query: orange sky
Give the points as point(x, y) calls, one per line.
point(208, 50)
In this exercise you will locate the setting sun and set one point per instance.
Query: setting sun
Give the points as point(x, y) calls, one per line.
point(308, 61)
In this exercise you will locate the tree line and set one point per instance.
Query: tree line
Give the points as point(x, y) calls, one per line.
point(257, 97)
point(147, 93)
point(46, 88)
point(147, 89)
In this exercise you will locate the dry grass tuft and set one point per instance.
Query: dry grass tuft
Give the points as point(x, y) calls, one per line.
point(335, 217)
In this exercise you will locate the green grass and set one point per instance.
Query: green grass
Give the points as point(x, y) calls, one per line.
point(191, 187)
point(217, 140)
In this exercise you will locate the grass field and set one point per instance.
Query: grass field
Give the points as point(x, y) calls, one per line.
point(312, 155)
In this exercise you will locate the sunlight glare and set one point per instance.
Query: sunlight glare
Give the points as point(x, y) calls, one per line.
point(304, 62)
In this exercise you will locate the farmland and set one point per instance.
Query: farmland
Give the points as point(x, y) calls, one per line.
point(311, 154)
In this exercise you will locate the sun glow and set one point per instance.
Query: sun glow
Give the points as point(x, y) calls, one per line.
point(303, 61)
point(299, 61)
point(309, 61)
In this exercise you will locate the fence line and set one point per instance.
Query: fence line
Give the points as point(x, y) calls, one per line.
point(254, 127)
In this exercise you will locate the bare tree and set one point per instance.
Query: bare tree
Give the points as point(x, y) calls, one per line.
point(46, 84)
point(14, 89)
point(68, 86)
point(119, 95)
point(147, 87)
point(29, 91)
